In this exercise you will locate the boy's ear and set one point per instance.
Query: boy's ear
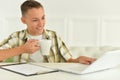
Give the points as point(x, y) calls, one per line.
point(23, 20)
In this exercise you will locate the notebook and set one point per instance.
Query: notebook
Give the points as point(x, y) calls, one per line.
point(107, 61)
point(27, 69)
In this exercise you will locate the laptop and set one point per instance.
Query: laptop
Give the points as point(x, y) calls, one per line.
point(107, 61)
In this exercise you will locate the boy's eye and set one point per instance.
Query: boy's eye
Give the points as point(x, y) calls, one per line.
point(34, 20)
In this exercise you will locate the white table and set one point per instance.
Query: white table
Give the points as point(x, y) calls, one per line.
point(112, 74)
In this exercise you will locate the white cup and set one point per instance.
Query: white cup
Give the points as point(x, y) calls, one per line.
point(45, 46)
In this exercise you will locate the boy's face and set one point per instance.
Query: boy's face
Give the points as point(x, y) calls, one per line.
point(35, 21)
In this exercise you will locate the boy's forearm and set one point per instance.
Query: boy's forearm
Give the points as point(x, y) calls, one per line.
point(7, 53)
point(72, 60)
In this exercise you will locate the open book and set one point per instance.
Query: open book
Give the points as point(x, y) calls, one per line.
point(27, 69)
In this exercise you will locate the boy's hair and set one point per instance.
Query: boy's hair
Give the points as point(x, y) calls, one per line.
point(29, 4)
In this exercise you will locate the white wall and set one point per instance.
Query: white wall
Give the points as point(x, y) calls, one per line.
point(79, 22)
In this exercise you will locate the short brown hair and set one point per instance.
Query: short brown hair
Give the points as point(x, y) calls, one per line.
point(29, 4)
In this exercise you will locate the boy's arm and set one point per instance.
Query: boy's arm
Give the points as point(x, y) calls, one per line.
point(29, 47)
point(82, 59)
